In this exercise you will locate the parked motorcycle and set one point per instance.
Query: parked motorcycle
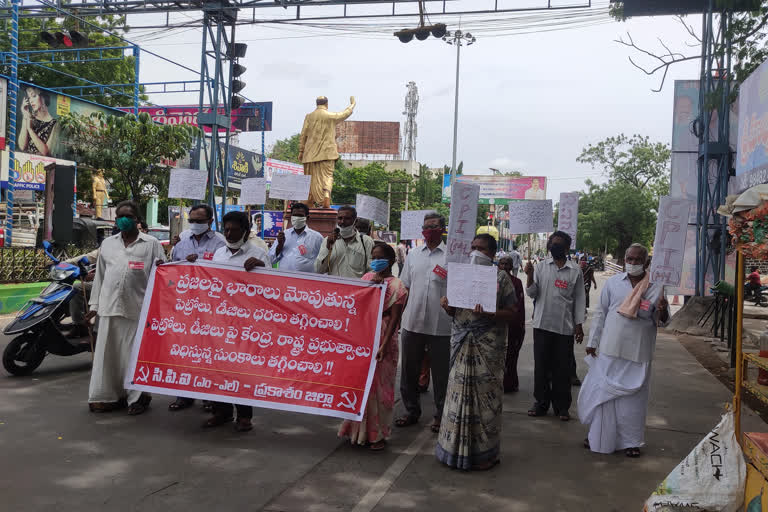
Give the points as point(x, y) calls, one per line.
point(38, 323)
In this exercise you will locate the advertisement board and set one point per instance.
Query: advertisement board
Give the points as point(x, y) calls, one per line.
point(241, 164)
point(38, 130)
point(752, 149)
point(272, 167)
point(272, 221)
point(368, 137)
point(251, 117)
point(29, 170)
point(500, 189)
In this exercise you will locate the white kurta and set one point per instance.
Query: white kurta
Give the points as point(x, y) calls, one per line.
point(118, 291)
point(613, 399)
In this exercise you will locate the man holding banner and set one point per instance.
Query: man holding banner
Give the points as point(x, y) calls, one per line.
point(346, 252)
point(238, 252)
point(614, 398)
point(298, 246)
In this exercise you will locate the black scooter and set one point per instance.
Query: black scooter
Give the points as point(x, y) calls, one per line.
point(38, 324)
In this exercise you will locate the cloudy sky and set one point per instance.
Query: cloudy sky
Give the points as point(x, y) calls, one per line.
point(530, 97)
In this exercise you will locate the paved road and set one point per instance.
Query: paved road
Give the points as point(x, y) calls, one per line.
point(56, 456)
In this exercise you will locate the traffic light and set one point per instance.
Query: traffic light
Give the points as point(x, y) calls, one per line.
point(421, 32)
point(236, 51)
point(65, 39)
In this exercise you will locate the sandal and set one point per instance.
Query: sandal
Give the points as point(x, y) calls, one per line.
point(536, 411)
point(216, 421)
point(107, 406)
point(632, 452)
point(140, 406)
point(586, 444)
point(181, 403)
point(243, 425)
point(406, 421)
point(565, 417)
point(435, 427)
point(378, 445)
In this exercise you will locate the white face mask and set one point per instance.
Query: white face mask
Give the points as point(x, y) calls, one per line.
point(478, 258)
point(198, 229)
point(634, 270)
point(347, 232)
point(298, 222)
point(236, 245)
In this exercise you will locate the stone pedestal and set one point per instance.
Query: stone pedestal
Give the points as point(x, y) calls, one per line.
point(322, 220)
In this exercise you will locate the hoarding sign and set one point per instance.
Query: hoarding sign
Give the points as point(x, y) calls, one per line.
point(251, 117)
point(501, 189)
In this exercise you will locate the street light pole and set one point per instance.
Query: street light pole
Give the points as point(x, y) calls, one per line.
point(458, 38)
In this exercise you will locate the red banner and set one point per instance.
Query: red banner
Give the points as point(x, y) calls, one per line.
point(282, 340)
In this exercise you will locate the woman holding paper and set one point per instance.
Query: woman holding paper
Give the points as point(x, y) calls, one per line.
point(470, 430)
point(376, 425)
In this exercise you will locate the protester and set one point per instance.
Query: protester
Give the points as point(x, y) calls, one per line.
point(425, 324)
point(516, 260)
point(614, 398)
point(557, 287)
point(77, 303)
point(515, 329)
point(401, 251)
point(122, 272)
point(376, 426)
point(470, 431)
point(298, 246)
point(363, 226)
point(239, 251)
point(345, 252)
point(198, 242)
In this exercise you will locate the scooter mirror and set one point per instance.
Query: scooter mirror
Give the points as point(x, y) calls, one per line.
point(85, 261)
point(47, 249)
point(46, 245)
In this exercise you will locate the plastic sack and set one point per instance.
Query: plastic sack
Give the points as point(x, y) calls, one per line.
point(710, 479)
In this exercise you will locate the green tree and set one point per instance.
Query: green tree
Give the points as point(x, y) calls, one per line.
point(286, 149)
point(623, 211)
point(132, 151)
point(118, 71)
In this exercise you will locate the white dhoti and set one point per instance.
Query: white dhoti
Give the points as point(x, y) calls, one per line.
point(613, 401)
point(110, 361)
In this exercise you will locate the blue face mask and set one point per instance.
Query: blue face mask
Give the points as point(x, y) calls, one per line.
point(379, 265)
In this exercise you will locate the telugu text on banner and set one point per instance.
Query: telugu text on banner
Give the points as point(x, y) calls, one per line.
point(280, 340)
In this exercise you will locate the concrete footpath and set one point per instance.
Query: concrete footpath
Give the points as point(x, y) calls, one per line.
point(56, 456)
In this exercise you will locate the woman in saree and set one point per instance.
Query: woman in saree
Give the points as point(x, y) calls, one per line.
point(470, 429)
point(376, 425)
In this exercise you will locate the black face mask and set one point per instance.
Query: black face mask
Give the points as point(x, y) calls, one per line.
point(558, 251)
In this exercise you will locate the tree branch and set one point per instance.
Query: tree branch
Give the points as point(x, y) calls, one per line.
point(666, 60)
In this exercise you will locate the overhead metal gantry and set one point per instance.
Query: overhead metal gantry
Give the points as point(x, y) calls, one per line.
point(219, 20)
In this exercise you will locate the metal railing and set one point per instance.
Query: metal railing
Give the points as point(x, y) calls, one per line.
point(30, 264)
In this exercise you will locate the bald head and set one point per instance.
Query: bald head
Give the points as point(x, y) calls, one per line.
point(321, 100)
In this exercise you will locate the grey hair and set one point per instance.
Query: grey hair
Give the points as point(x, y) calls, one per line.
point(435, 215)
point(642, 248)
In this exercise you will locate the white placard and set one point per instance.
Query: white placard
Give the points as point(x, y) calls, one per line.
point(568, 215)
point(412, 223)
point(273, 167)
point(187, 184)
point(291, 187)
point(253, 191)
point(462, 221)
point(469, 285)
point(531, 217)
point(669, 243)
point(372, 208)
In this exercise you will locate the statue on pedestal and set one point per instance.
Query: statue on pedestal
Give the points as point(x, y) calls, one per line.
point(318, 151)
point(100, 194)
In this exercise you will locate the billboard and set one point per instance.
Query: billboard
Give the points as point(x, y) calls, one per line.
point(29, 170)
point(241, 164)
point(686, 110)
point(251, 117)
point(270, 221)
point(752, 150)
point(280, 167)
point(38, 131)
point(368, 137)
point(501, 189)
point(3, 109)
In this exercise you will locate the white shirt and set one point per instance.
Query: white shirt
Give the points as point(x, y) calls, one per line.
point(347, 259)
point(122, 274)
point(618, 336)
point(188, 244)
point(299, 251)
point(237, 259)
point(423, 313)
point(559, 295)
